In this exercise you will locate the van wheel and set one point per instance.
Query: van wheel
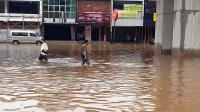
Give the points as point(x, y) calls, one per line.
point(15, 42)
point(38, 42)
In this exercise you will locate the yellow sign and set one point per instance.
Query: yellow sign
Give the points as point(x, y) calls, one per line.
point(133, 7)
point(127, 13)
point(154, 16)
point(131, 11)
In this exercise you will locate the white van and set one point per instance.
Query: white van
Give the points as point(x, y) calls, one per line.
point(24, 36)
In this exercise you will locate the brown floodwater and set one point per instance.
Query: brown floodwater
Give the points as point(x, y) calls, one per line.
point(121, 78)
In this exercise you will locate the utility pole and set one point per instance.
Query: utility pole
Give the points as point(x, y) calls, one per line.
point(6, 6)
point(111, 37)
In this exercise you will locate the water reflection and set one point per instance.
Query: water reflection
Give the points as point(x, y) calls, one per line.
point(177, 84)
point(122, 78)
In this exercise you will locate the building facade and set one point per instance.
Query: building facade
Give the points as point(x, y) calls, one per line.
point(59, 19)
point(129, 25)
point(77, 19)
point(93, 18)
point(19, 14)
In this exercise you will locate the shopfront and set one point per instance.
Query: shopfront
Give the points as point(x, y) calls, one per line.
point(129, 25)
point(59, 19)
point(93, 18)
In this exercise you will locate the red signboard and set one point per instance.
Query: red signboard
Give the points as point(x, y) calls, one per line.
point(95, 11)
point(115, 14)
point(93, 18)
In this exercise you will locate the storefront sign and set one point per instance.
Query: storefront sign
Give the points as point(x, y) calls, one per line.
point(133, 7)
point(93, 11)
point(115, 14)
point(129, 14)
point(154, 16)
point(131, 11)
point(93, 18)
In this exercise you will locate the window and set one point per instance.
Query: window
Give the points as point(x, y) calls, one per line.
point(73, 8)
point(2, 8)
point(56, 8)
point(45, 14)
point(38, 34)
point(19, 34)
point(73, 2)
point(67, 9)
point(50, 8)
point(56, 14)
point(62, 2)
point(24, 7)
point(62, 8)
point(45, 2)
point(51, 15)
point(51, 2)
point(73, 15)
point(66, 15)
point(45, 7)
point(56, 2)
point(68, 2)
point(33, 35)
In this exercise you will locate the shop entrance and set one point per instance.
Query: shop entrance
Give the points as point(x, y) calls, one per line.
point(99, 33)
point(80, 33)
point(95, 33)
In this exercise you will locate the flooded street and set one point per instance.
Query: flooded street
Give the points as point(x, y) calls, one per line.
point(121, 78)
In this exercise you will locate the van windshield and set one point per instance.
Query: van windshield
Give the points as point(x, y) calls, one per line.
point(33, 35)
point(38, 34)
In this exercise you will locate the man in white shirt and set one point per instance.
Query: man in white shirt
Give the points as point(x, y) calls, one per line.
point(43, 52)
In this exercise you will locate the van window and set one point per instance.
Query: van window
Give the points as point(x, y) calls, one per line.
point(38, 34)
point(33, 35)
point(19, 34)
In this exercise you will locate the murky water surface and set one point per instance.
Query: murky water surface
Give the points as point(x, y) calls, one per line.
point(121, 78)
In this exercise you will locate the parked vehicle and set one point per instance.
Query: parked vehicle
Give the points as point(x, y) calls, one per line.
point(24, 36)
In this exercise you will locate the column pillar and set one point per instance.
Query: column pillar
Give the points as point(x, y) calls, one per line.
point(72, 33)
point(6, 6)
point(88, 32)
point(99, 33)
point(164, 26)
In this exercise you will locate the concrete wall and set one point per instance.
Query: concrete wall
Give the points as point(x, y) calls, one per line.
point(186, 25)
point(178, 25)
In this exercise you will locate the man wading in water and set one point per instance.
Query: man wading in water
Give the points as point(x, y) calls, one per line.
point(85, 53)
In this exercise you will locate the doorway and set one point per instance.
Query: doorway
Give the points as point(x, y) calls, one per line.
point(80, 33)
point(95, 33)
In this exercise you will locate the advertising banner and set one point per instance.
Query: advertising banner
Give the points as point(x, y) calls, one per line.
point(93, 11)
point(133, 7)
point(93, 18)
point(132, 11)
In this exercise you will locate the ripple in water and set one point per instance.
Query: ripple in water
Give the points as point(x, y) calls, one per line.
point(114, 82)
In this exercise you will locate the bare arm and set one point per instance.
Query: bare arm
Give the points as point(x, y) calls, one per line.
point(90, 53)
